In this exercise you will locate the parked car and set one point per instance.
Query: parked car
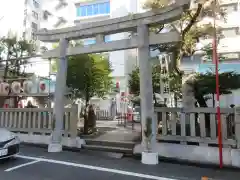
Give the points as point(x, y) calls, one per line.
point(9, 144)
point(137, 114)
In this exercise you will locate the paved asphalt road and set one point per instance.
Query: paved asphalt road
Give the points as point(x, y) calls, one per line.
point(36, 164)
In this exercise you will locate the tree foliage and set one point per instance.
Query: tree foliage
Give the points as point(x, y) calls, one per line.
point(205, 84)
point(174, 82)
point(88, 76)
point(190, 27)
point(134, 80)
point(208, 54)
point(11, 48)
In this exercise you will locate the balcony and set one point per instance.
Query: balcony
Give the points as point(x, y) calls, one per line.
point(227, 2)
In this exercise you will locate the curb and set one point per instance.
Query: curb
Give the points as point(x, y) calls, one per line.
point(138, 157)
point(65, 148)
point(188, 163)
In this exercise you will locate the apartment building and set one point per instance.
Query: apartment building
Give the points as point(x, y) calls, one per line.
point(228, 46)
point(32, 19)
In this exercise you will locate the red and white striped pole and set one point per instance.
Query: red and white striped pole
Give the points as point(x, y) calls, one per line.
point(215, 60)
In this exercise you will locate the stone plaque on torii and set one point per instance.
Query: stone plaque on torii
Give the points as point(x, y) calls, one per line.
point(138, 23)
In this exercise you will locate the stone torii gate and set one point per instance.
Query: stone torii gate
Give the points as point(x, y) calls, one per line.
point(133, 23)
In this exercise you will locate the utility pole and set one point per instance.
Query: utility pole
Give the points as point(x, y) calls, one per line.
point(215, 60)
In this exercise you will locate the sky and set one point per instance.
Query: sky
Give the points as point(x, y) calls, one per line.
point(38, 66)
point(8, 10)
point(14, 23)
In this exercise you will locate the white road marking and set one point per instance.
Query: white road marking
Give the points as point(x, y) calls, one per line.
point(97, 168)
point(22, 165)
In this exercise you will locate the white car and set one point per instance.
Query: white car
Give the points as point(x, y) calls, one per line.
point(9, 144)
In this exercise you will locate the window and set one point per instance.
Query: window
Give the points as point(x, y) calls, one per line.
point(24, 22)
point(35, 15)
point(33, 36)
point(107, 38)
point(229, 8)
point(93, 41)
point(46, 14)
point(34, 26)
point(89, 42)
point(231, 56)
point(35, 4)
point(94, 9)
point(61, 4)
point(25, 12)
point(24, 35)
point(230, 32)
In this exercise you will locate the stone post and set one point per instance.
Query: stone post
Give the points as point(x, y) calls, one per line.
point(146, 91)
point(237, 125)
point(188, 100)
point(74, 121)
point(60, 89)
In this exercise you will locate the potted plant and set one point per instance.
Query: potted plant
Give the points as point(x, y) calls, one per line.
point(149, 157)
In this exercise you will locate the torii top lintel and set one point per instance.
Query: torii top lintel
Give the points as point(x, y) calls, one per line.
point(116, 25)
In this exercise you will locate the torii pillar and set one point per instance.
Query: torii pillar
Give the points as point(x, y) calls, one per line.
point(146, 91)
point(56, 140)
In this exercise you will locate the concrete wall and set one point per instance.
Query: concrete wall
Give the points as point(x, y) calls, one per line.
point(197, 154)
point(45, 140)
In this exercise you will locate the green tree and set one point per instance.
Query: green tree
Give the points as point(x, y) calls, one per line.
point(205, 84)
point(204, 88)
point(188, 26)
point(174, 82)
point(88, 76)
point(134, 80)
point(13, 48)
point(208, 54)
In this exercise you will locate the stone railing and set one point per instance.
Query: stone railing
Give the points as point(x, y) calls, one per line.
point(104, 115)
point(197, 126)
point(37, 121)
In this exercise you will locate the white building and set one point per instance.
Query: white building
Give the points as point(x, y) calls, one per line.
point(32, 19)
point(229, 29)
point(228, 47)
point(88, 11)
